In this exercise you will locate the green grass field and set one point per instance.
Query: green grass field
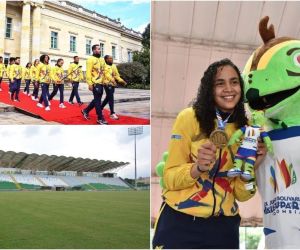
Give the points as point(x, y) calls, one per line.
point(110, 219)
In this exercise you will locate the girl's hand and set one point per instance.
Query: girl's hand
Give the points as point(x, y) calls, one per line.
point(205, 159)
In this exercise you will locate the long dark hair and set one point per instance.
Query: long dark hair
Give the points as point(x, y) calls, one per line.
point(204, 104)
point(58, 60)
point(42, 58)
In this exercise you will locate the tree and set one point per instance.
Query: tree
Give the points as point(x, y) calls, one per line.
point(133, 73)
point(143, 56)
point(146, 37)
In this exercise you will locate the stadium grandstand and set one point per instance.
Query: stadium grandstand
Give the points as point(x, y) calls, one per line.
point(22, 171)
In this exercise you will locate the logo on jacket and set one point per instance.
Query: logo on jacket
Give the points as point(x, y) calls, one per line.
point(285, 174)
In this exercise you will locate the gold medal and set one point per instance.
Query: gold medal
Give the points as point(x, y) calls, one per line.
point(219, 138)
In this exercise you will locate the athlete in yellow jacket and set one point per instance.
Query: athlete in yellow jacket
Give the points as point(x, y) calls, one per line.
point(11, 62)
point(75, 75)
point(15, 76)
point(111, 78)
point(2, 70)
point(95, 71)
point(199, 201)
point(26, 75)
point(57, 75)
point(35, 79)
point(182, 191)
point(44, 77)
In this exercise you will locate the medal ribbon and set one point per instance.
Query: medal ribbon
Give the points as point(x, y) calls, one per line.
point(221, 123)
point(221, 126)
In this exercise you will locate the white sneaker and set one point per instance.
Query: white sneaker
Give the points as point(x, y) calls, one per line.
point(114, 117)
point(33, 98)
point(0, 89)
point(47, 108)
point(29, 94)
point(62, 106)
point(40, 105)
point(36, 99)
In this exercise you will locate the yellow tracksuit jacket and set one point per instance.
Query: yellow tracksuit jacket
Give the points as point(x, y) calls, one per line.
point(26, 73)
point(2, 69)
point(95, 70)
point(111, 72)
point(33, 72)
point(44, 73)
point(15, 71)
point(57, 74)
point(195, 196)
point(76, 75)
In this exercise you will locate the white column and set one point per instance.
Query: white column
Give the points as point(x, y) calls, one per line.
point(2, 25)
point(25, 33)
point(36, 32)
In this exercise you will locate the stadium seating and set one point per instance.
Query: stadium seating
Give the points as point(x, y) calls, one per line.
point(34, 182)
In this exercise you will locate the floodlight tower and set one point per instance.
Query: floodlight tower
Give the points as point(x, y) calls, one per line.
point(135, 131)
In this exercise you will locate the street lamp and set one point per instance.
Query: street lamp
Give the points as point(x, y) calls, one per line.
point(135, 131)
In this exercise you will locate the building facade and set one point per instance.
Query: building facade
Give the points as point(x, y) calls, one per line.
point(61, 29)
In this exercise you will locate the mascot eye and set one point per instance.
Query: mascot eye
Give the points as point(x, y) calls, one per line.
point(297, 59)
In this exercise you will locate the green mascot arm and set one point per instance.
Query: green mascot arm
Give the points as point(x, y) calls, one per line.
point(160, 169)
point(235, 137)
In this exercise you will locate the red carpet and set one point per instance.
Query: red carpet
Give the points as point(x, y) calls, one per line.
point(69, 115)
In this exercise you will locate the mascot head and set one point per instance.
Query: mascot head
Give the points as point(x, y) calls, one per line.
point(272, 77)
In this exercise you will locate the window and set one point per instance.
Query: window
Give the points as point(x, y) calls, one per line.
point(8, 27)
point(54, 36)
point(102, 49)
point(88, 46)
point(129, 55)
point(113, 52)
point(73, 43)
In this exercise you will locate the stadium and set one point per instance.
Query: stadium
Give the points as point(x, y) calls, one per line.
point(50, 201)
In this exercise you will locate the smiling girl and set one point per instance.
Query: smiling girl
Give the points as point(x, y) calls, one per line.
point(199, 208)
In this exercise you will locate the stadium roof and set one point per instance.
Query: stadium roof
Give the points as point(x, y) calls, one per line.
point(56, 163)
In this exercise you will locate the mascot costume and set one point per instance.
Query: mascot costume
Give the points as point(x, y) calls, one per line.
point(272, 83)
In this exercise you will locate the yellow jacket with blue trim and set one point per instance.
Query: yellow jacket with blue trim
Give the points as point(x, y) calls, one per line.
point(33, 72)
point(95, 70)
point(8, 70)
point(196, 196)
point(2, 69)
point(15, 72)
point(75, 73)
point(111, 74)
point(26, 74)
point(44, 73)
point(57, 74)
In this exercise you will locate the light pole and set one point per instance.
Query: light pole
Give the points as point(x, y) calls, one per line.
point(135, 131)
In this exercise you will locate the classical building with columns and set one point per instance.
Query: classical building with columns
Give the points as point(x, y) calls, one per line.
point(61, 29)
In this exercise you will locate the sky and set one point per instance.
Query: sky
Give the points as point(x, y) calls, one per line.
point(94, 142)
point(134, 14)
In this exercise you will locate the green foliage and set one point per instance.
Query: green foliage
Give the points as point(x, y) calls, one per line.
point(133, 73)
point(252, 241)
point(146, 37)
point(143, 56)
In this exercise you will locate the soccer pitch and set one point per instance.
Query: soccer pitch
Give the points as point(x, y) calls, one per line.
point(110, 219)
